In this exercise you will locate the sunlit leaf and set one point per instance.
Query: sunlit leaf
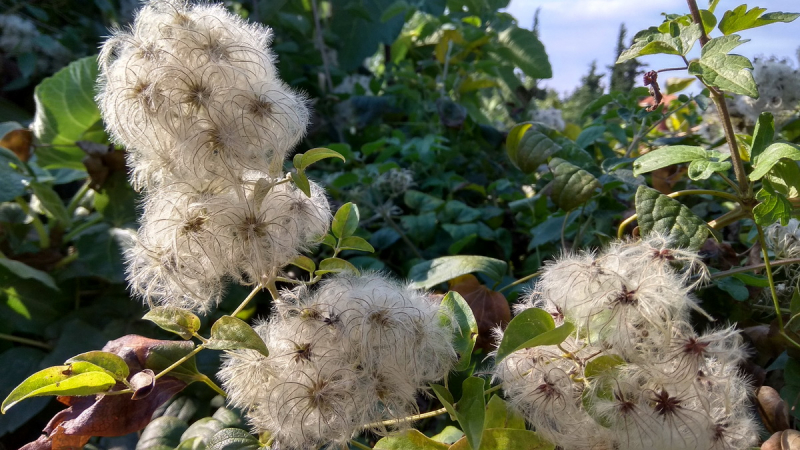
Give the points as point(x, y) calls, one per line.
point(230, 333)
point(175, 320)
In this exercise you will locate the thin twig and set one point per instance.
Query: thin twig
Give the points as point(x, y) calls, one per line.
point(735, 270)
point(405, 419)
point(321, 45)
point(247, 299)
point(25, 341)
point(520, 281)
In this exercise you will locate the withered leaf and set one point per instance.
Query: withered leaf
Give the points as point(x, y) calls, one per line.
point(773, 410)
point(18, 141)
point(490, 308)
point(113, 415)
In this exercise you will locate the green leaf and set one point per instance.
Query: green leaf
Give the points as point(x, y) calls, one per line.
point(230, 333)
point(117, 201)
point(500, 415)
point(25, 271)
point(763, 135)
point(161, 356)
point(732, 73)
point(162, 433)
point(675, 85)
point(306, 263)
point(770, 156)
point(471, 410)
point(734, 287)
point(709, 20)
point(703, 169)
point(661, 214)
point(572, 186)
point(667, 156)
point(335, 265)
point(773, 207)
point(598, 371)
point(409, 440)
point(360, 31)
point(65, 112)
point(446, 398)
point(740, 19)
point(422, 202)
point(523, 328)
point(398, 7)
point(51, 202)
point(300, 180)
point(590, 135)
point(345, 221)
point(454, 306)
point(175, 320)
point(356, 243)
point(202, 430)
point(509, 439)
point(233, 439)
point(528, 147)
point(430, 273)
point(303, 160)
point(602, 364)
point(752, 280)
point(523, 49)
point(329, 240)
point(448, 435)
point(109, 362)
point(79, 378)
point(12, 183)
point(652, 42)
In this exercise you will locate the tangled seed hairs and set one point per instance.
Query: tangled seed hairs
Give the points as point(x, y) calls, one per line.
point(671, 388)
point(192, 92)
point(352, 351)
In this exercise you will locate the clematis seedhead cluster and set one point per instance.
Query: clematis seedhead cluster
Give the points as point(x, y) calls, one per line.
point(193, 94)
point(356, 350)
point(634, 374)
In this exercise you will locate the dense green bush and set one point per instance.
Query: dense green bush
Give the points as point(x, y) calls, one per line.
point(669, 216)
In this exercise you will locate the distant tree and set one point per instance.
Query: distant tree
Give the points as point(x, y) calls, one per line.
point(624, 76)
point(590, 89)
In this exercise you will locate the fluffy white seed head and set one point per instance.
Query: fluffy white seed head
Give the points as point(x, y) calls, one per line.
point(197, 86)
point(660, 385)
point(355, 350)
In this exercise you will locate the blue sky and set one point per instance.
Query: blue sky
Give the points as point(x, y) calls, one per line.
point(575, 32)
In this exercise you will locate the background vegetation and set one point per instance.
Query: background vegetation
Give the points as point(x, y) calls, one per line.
point(419, 97)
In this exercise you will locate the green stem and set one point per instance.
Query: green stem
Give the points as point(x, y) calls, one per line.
point(493, 389)
point(355, 443)
point(44, 237)
point(563, 231)
point(247, 299)
point(82, 227)
point(728, 218)
point(520, 281)
point(66, 260)
point(25, 341)
point(768, 269)
point(766, 308)
point(722, 108)
point(76, 199)
point(180, 361)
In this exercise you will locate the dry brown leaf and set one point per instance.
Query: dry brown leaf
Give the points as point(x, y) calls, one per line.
point(773, 410)
point(19, 141)
point(783, 440)
point(490, 308)
point(112, 415)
